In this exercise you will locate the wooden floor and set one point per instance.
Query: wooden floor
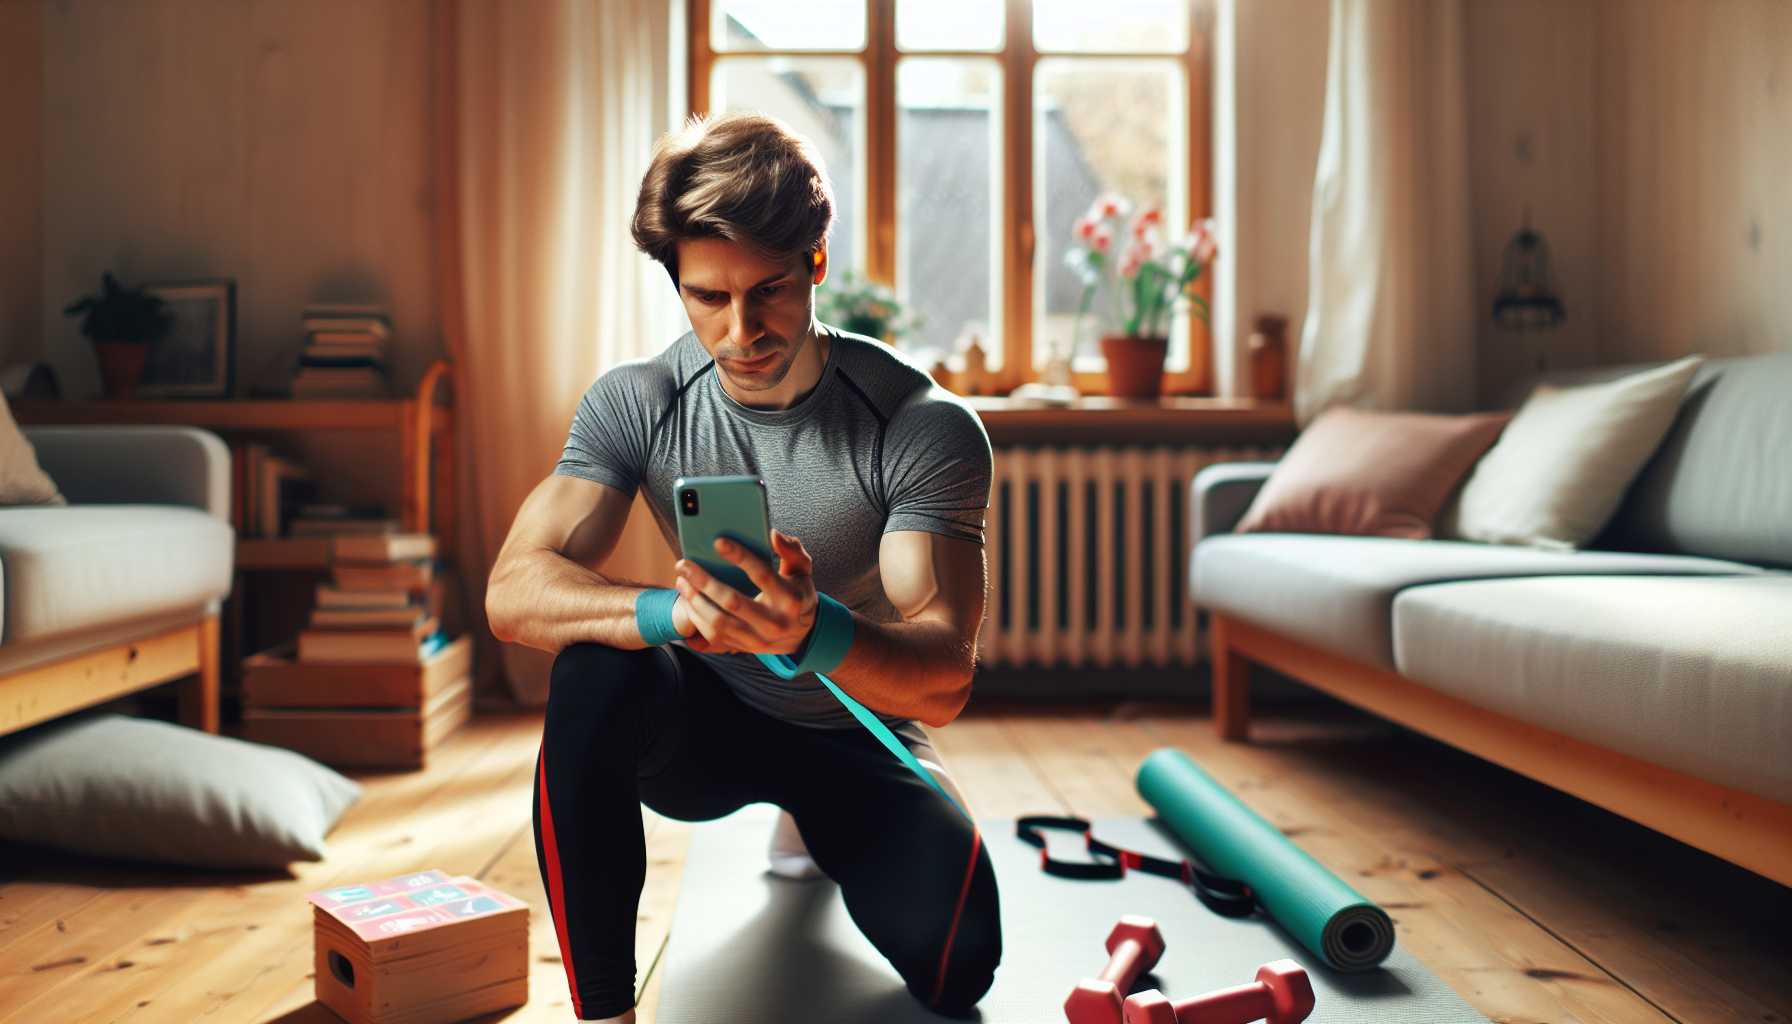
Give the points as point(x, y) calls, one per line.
point(1533, 906)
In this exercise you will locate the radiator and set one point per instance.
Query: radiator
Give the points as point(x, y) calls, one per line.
point(1088, 554)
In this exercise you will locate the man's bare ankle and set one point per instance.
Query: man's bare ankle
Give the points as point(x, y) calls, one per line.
point(627, 1018)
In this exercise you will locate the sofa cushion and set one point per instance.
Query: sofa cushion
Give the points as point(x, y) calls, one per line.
point(1693, 674)
point(1562, 465)
point(22, 480)
point(1370, 474)
point(85, 565)
point(1718, 485)
point(1337, 592)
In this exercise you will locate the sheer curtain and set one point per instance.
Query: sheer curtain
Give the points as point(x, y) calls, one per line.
point(547, 114)
point(1391, 309)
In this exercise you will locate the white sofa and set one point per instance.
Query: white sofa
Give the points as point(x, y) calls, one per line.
point(1651, 674)
point(120, 589)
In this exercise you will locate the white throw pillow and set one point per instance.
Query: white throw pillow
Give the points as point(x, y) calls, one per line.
point(22, 481)
point(1558, 472)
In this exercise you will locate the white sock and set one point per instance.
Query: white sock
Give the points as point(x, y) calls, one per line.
point(789, 857)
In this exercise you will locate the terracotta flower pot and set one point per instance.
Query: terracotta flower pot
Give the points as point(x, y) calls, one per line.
point(121, 366)
point(1135, 365)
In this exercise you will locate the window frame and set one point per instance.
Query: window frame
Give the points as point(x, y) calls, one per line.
point(1018, 60)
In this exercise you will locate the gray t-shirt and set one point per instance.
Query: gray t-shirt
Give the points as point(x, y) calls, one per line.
point(875, 447)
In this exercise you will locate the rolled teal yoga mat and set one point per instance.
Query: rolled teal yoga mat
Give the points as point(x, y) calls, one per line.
point(1313, 905)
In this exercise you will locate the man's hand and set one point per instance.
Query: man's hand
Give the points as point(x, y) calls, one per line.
point(715, 617)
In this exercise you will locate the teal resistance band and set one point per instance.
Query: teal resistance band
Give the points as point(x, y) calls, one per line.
point(822, 651)
point(873, 726)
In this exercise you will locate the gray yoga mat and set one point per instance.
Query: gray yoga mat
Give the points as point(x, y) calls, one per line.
point(750, 948)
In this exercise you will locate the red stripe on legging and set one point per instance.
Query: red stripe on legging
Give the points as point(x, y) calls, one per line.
point(556, 894)
point(964, 890)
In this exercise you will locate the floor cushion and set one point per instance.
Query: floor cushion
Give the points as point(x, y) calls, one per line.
point(144, 790)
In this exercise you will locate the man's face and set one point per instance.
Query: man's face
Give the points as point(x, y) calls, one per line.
point(751, 315)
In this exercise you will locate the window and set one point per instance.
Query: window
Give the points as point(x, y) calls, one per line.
point(965, 137)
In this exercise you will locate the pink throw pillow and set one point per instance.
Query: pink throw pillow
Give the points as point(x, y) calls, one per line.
point(1375, 474)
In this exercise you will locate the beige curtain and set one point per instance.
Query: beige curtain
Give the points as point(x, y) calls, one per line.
point(1391, 310)
point(548, 111)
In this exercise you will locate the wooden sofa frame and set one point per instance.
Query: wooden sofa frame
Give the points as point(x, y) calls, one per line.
point(42, 692)
point(1745, 829)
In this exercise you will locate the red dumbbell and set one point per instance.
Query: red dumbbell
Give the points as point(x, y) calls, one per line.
point(1280, 995)
point(1133, 948)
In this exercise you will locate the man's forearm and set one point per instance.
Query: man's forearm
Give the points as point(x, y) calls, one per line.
point(919, 670)
point(547, 601)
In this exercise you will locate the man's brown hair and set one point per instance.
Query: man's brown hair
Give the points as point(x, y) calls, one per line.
point(744, 177)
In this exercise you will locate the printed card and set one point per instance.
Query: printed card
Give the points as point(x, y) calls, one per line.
point(344, 895)
point(411, 921)
point(409, 903)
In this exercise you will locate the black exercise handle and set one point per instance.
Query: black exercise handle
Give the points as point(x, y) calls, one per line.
point(1031, 830)
point(1227, 897)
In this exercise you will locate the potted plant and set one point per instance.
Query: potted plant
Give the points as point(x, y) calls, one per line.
point(122, 323)
point(1150, 280)
point(863, 306)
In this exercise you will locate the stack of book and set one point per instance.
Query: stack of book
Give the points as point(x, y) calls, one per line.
point(345, 353)
point(370, 613)
point(419, 947)
point(375, 682)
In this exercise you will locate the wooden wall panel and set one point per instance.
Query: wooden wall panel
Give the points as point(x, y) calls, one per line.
point(1695, 177)
point(1652, 140)
point(285, 145)
point(1531, 148)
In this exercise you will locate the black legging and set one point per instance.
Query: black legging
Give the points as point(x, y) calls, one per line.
point(658, 726)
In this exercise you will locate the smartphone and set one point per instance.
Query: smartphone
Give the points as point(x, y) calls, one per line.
point(709, 507)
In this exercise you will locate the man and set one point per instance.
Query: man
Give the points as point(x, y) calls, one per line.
point(877, 484)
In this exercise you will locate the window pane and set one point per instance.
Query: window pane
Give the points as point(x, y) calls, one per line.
point(948, 265)
point(822, 99)
point(949, 25)
point(1101, 127)
point(1137, 26)
point(782, 25)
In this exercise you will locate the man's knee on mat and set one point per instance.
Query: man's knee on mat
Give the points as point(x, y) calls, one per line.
point(976, 952)
point(590, 678)
point(970, 964)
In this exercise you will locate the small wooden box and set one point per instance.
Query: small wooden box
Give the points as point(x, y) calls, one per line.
point(358, 715)
point(419, 948)
point(272, 679)
point(364, 737)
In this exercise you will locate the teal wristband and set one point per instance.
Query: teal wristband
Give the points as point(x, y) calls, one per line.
point(653, 616)
point(824, 648)
point(830, 638)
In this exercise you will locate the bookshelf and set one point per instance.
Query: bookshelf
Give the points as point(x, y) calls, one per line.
point(423, 422)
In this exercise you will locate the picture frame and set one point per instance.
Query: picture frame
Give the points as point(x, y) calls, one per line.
point(197, 359)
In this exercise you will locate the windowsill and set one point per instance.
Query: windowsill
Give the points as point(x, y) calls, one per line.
point(1171, 419)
